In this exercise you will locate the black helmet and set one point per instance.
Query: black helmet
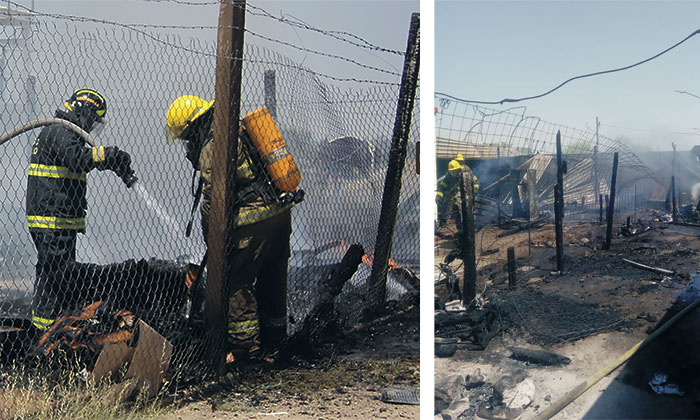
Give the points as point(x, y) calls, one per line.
point(88, 105)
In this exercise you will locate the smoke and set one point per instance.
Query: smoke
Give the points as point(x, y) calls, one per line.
point(695, 192)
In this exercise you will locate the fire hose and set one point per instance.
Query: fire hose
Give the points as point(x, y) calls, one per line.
point(128, 177)
point(583, 386)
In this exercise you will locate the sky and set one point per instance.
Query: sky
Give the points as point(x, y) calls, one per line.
point(488, 51)
point(384, 23)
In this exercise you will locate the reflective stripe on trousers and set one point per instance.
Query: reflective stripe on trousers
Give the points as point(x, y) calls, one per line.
point(243, 327)
point(41, 323)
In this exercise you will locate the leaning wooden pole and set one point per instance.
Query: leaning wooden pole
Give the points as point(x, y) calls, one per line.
point(596, 183)
point(512, 279)
point(559, 207)
point(674, 208)
point(466, 189)
point(229, 66)
point(498, 188)
point(515, 193)
point(611, 205)
point(397, 158)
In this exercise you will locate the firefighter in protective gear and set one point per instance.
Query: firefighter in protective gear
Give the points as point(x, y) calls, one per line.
point(56, 203)
point(259, 248)
point(448, 194)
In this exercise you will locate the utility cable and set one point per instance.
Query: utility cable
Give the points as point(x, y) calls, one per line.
point(688, 93)
point(502, 101)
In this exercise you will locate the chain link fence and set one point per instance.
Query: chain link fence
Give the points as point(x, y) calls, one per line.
point(340, 138)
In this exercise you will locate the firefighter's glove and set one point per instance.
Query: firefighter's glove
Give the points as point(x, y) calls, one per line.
point(110, 157)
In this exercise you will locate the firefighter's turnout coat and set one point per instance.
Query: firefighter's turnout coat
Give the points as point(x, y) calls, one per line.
point(57, 181)
point(259, 254)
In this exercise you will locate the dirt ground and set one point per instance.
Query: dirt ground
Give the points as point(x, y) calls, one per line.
point(641, 298)
point(345, 382)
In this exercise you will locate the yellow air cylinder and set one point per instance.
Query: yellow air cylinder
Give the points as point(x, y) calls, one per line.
point(267, 139)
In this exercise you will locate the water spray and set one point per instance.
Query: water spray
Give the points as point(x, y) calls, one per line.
point(129, 178)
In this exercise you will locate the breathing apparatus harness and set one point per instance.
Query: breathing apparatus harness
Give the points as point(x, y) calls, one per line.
point(262, 185)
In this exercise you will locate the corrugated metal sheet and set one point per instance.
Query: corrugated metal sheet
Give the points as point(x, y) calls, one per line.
point(447, 149)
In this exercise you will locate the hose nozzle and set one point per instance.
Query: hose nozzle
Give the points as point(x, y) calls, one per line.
point(129, 179)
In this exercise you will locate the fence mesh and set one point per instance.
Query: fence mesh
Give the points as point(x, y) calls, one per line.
point(514, 157)
point(340, 138)
point(526, 142)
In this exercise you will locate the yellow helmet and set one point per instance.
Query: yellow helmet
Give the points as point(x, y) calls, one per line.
point(454, 166)
point(181, 113)
point(459, 158)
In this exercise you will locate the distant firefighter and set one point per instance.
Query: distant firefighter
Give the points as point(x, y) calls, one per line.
point(448, 197)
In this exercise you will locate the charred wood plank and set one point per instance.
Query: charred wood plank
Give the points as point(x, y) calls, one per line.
point(646, 267)
point(539, 357)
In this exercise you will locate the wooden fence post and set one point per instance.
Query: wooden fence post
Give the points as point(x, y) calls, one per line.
point(229, 68)
point(466, 188)
point(611, 206)
point(397, 159)
point(559, 207)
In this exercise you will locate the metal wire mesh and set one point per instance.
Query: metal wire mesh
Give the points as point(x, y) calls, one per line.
point(340, 138)
point(526, 142)
point(552, 319)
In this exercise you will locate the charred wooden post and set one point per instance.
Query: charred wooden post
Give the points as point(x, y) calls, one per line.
point(515, 182)
point(322, 315)
point(532, 197)
point(559, 207)
point(674, 209)
point(498, 187)
point(600, 201)
point(611, 207)
point(418, 157)
point(673, 183)
point(397, 159)
point(596, 183)
point(466, 189)
point(512, 280)
point(607, 204)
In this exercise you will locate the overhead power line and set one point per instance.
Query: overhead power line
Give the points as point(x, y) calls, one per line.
point(507, 100)
point(688, 93)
